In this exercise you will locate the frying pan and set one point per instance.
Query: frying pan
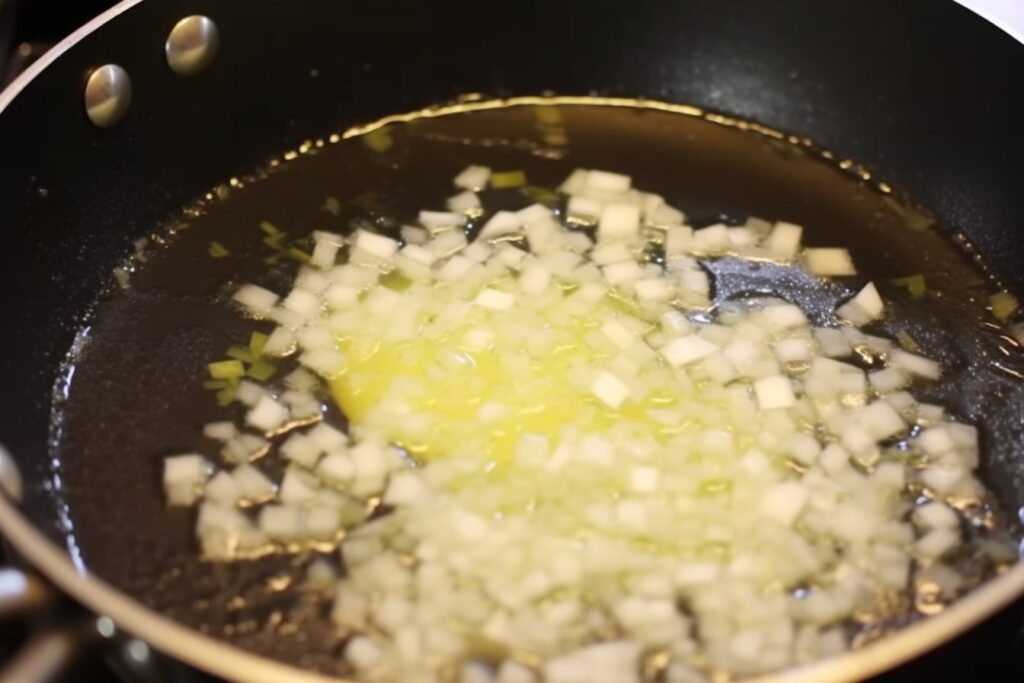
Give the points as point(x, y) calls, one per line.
point(921, 91)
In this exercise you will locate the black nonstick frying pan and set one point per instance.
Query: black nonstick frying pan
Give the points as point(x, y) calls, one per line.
point(924, 93)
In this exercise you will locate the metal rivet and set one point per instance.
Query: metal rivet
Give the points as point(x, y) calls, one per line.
point(10, 476)
point(105, 627)
point(108, 93)
point(192, 45)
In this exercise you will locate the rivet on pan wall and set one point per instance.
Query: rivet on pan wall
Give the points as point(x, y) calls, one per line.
point(108, 94)
point(192, 45)
point(10, 476)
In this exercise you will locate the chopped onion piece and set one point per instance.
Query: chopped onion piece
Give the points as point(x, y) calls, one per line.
point(222, 489)
point(783, 241)
point(244, 447)
point(302, 450)
point(184, 476)
point(253, 484)
point(501, 223)
point(378, 246)
point(267, 415)
point(337, 467)
point(297, 487)
point(473, 178)
point(324, 254)
point(583, 209)
point(609, 389)
point(258, 300)
point(455, 268)
point(435, 221)
point(220, 431)
point(863, 308)
point(618, 222)
point(686, 350)
point(575, 183)
point(327, 438)
point(534, 213)
point(784, 502)
point(302, 303)
point(937, 543)
point(406, 488)
point(280, 343)
point(611, 662)
point(915, 365)
point(534, 280)
point(412, 234)
point(829, 261)
point(936, 515)
point(464, 202)
point(611, 252)
point(495, 300)
point(514, 672)
point(621, 273)
point(325, 362)
point(664, 217)
point(419, 254)
point(881, 420)
point(774, 392)
point(608, 182)
point(281, 522)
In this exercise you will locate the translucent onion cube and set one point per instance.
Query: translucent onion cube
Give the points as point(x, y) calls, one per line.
point(619, 222)
point(473, 178)
point(267, 415)
point(829, 261)
point(184, 476)
point(609, 389)
point(686, 350)
point(774, 392)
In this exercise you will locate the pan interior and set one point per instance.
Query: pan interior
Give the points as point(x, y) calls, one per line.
point(132, 389)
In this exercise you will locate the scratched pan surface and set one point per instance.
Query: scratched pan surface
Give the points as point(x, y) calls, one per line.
point(936, 116)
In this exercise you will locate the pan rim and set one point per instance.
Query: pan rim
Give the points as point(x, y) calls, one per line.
point(15, 87)
point(233, 663)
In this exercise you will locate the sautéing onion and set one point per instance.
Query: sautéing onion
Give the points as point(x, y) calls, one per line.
point(584, 467)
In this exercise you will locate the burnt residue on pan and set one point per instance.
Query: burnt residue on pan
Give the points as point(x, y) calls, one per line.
point(132, 390)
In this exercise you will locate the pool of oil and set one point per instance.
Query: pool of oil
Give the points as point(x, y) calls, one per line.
point(134, 390)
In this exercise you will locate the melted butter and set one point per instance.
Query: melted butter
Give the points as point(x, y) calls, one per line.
point(445, 387)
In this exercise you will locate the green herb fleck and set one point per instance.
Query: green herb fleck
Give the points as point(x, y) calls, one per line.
point(915, 284)
point(121, 277)
point(270, 229)
point(1003, 305)
point(257, 340)
point(379, 140)
point(541, 195)
point(241, 353)
point(556, 139)
point(261, 371)
point(332, 206)
point(914, 219)
point(218, 250)
point(274, 241)
point(299, 254)
point(225, 396)
point(506, 179)
point(548, 114)
point(227, 369)
point(907, 342)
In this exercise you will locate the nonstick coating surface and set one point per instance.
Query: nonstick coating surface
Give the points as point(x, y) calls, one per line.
point(921, 91)
point(134, 392)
